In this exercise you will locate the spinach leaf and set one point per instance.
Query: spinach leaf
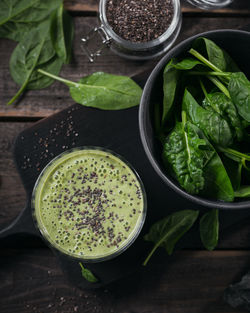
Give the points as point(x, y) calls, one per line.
point(220, 103)
point(171, 82)
point(217, 183)
point(209, 229)
point(234, 154)
point(166, 232)
point(239, 89)
point(211, 123)
point(243, 192)
point(186, 64)
point(234, 170)
point(219, 57)
point(17, 17)
point(183, 154)
point(35, 50)
point(103, 91)
point(87, 274)
point(62, 33)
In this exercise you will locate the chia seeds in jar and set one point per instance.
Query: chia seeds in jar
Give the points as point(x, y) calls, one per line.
point(134, 29)
point(139, 20)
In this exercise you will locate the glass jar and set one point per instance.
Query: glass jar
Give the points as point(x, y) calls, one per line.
point(210, 4)
point(103, 36)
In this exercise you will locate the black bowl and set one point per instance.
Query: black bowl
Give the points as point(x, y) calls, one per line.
point(237, 44)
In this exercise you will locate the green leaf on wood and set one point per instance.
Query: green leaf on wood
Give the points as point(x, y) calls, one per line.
point(62, 32)
point(34, 51)
point(18, 17)
point(166, 232)
point(209, 229)
point(87, 274)
point(103, 91)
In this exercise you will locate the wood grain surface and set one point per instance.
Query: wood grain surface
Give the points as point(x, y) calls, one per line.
point(240, 7)
point(41, 103)
point(191, 282)
point(30, 278)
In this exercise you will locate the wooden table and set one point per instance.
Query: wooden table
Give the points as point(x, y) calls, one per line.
point(30, 278)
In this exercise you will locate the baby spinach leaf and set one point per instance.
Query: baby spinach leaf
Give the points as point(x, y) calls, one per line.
point(103, 91)
point(239, 89)
point(185, 153)
point(217, 183)
point(243, 192)
point(209, 229)
point(187, 64)
point(87, 274)
point(34, 50)
point(62, 33)
point(220, 103)
point(17, 17)
point(214, 126)
point(170, 83)
point(234, 170)
point(166, 232)
point(219, 57)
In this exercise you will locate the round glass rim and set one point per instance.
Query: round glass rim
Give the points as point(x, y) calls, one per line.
point(45, 234)
point(208, 4)
point(137, 45)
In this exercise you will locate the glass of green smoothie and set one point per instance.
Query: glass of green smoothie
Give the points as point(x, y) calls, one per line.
point(89, 204)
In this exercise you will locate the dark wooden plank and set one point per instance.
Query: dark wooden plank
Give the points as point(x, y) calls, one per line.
point(12, 194)
point(190, 282)
point(40, 103)
point(237, 7)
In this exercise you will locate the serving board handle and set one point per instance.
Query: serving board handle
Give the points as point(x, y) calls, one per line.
point(23, 224)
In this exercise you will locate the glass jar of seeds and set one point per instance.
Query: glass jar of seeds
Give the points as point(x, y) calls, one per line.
point(210, 4)
point(134, 29)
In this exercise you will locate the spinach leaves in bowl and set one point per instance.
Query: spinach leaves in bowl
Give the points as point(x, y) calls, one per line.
point(203, 123)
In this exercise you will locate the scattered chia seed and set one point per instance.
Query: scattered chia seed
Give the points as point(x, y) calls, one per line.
point(47, 145)
point(139, 20)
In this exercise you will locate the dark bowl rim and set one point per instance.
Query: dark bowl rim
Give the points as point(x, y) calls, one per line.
point(142, 126)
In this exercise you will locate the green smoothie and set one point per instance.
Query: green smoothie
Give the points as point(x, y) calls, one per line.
point(89, 204)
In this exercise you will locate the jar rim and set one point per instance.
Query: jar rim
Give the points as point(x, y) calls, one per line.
point(140, 45)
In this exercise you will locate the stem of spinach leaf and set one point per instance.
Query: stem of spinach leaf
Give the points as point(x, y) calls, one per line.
point(151, 253)
point(207, 97)
point(243, 161)
point(224, 78)
point(235, 153)
point(224, 74)
point(204, 60)
point(203, 89)
point(63, 80)
point(219, 85)
point(20, 91)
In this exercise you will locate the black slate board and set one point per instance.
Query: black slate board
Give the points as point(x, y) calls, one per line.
point(117, 131)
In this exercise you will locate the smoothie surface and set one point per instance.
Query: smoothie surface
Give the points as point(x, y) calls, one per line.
point(89, 204)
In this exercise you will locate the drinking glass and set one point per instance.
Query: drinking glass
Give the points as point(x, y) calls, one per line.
point(49, 172)
point(210, 4)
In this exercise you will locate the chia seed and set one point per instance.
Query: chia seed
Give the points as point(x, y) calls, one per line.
point(139, 20)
